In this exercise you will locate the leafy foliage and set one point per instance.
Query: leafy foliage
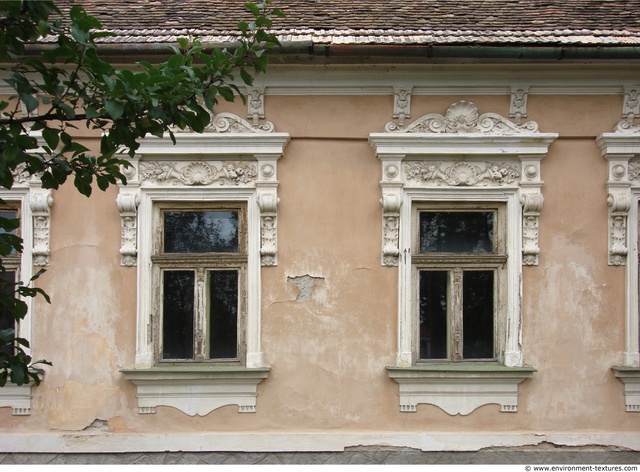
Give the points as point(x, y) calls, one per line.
point(70, 86)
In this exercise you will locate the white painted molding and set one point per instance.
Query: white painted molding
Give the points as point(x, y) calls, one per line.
point(226, 156)
point(462, 156)
point(438, 151)
point(459, 389)
point(236, 163)
point(630, 377)
point(16, 397)
point(621, 149)
point(196, 390)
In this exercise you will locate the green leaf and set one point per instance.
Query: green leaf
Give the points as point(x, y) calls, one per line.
point(114, 109)
point(51, 137)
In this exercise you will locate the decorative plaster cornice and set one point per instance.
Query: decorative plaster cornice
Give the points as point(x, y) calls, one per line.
point(232, 153)
point(463, 117)
point(413, 156)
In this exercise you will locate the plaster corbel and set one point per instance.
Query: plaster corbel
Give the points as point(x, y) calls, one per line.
point(40, 201)
point(631, 103)
point(401, 104)
point(127, 202)
point(255, 104)
point(267, 198)
point(518, 103)
point(391, 202)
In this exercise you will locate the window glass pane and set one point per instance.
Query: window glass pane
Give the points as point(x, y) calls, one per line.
point(7, 279)
point(177, 314)
point(477, 314)
point(456, 231)
point(433, 315)
point(223, 314)
point(10, 215)
point(200, 231)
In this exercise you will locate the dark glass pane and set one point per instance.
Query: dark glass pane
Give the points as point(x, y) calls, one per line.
point(433, 315)
point(223, 314)
point(456, 231)
point(9, 215)
point(7, 279)
point(177, 314)
point(477, 314)
point(200, 231)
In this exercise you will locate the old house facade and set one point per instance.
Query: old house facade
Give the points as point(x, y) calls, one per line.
point(420, 231)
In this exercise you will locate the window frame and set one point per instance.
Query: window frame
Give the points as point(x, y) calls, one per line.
point(449, 262)
point(163, 261)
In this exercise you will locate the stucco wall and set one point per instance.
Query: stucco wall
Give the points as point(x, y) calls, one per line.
point(328, 350)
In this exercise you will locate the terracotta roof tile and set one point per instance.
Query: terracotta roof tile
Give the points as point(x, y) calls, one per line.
point(581, 22)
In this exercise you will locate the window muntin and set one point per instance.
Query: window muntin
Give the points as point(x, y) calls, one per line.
point(200, 265)
point(459, 265)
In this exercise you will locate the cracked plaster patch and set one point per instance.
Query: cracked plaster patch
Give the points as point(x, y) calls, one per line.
point(306, 285)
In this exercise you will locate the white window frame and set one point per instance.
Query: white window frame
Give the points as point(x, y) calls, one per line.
point(621, 149)
point(34, 204)
point(461, 157)
point(194, 171)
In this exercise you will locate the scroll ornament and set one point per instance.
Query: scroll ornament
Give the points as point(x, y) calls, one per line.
point(463, 117)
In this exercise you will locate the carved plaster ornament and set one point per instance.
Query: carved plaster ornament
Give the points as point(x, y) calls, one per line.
point(127, 206)
point(462, 117)
point(518, 104)
point(462, 173)
point(531, 208)
point(401, 104)
point(211, 173)
point(40, 201)
point(631, 104)
point(255, 104)
point(197, 173)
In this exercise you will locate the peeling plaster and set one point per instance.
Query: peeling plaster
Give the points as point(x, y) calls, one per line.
point(306, 285)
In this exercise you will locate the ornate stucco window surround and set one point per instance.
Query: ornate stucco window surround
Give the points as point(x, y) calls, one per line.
point(621, 149)
point(462, 157)
point(32, 205)
point(232, 162)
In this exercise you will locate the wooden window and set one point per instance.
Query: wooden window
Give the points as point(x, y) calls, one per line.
point(200, 259)
point(459, 260)
point(9, 275)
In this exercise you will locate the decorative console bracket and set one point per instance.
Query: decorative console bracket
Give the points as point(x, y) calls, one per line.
point(518, 103)
point(631, 103)
point(40, 201)
point(402, 104)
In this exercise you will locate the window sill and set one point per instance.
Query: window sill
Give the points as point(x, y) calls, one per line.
point(630, 377)
point(459, 389)
point(16, 397)
point(196, 390)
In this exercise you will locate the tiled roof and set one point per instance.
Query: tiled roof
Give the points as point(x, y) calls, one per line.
point(345, 22)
